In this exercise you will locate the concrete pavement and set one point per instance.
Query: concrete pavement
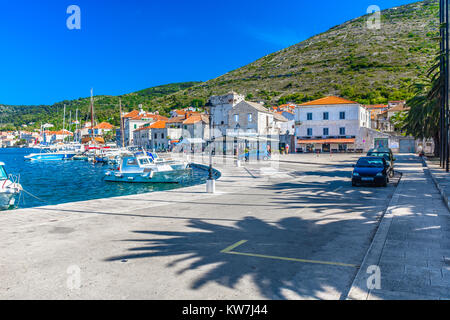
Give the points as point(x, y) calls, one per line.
point(293, 230)
point(412, 245)
point(299, 231)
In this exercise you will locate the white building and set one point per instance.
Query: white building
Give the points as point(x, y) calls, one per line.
point(221, 106)
point(253, 119)
point(135, 120)
point(331, 124)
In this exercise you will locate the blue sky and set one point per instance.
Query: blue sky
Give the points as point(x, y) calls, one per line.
point(125, 46)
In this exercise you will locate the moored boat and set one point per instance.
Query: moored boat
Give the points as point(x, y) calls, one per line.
point(142, 169)
point(9, 189)
point(50, 156)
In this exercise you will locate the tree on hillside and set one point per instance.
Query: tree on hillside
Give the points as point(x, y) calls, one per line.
point(422, 120)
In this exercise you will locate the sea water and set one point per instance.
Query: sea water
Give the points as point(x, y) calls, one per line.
point(56, 182)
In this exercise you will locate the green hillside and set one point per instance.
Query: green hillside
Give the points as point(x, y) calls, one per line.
point(106, 107)
point(349, 60)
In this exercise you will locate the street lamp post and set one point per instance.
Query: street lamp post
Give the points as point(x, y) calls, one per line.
point(238, 162)
point(210, 183)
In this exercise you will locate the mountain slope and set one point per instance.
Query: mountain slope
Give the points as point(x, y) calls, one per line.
point(350, 60)
point(106, 107)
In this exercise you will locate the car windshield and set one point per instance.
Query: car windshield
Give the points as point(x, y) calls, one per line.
point(386, 156)
point(370, 163)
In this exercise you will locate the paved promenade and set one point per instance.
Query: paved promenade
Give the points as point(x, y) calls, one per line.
point(293, 230)
point(412, 245)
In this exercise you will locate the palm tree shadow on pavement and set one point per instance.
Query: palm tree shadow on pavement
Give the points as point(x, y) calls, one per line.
point(327, 244)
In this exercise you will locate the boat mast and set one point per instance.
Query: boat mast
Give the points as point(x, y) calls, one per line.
point(70, 122)
point(64, 124)
point(76, 123)
point(121, 124)
point(92, 120)
point(92, 112)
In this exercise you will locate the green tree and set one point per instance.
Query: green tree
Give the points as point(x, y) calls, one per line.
point(422, 120)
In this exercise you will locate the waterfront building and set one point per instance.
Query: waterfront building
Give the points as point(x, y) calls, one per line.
point(135, 120)
point(331, 124)
point(375, 110)
point(142, 137)
point(220, 109)
point(159, 137)
point(195, 132)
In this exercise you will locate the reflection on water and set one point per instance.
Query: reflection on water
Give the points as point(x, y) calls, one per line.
point(67, 181)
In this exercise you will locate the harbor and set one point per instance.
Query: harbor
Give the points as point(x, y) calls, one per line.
point(57, 182)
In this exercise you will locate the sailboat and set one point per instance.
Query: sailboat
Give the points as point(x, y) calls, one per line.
point(58, 152)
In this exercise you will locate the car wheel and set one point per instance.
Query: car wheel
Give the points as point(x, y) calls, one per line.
point(354, 184)
point(385, 183)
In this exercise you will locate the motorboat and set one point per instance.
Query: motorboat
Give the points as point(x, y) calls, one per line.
point(142, 169)
point(51, 156)
point(156, 159)
point(9, 189)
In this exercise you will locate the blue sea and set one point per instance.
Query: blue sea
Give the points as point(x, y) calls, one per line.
point(57, 182)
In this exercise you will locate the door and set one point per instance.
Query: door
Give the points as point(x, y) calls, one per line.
point(407, 146)
point(326, 148)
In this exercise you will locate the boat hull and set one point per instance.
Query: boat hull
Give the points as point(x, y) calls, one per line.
point(7, 200)
point(175, 176)
point(50, 156)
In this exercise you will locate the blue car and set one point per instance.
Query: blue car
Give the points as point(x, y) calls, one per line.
point(255, 155)
point(371, 170)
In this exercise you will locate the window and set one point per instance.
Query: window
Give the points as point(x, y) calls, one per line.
point(3, 174)
point(162, 135)
point(309, 116)
point(326, 116)
point(236, 118)
point(326, 131)
point(342, 116)
point(135, 126)
point(310, 132)
point(249, 117)
point(156, 136)
point(342, 131)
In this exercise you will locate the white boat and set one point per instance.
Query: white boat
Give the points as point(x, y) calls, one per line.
point(51, 156)
point(142, 169)
point(9, 189)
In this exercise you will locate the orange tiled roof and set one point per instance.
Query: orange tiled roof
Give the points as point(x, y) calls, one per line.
point(399, 108)
point(132, 114)
point(328, 101)
point(176, 120)
point(104, 126)
point(196, 118)
point(158, 125)
point(60, 132)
